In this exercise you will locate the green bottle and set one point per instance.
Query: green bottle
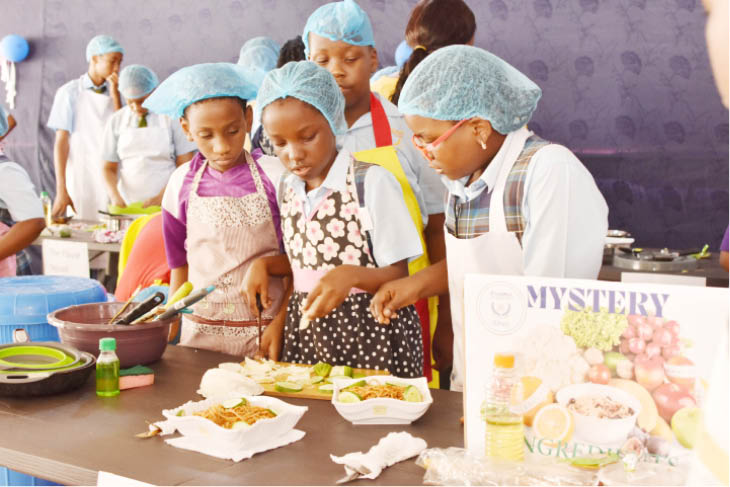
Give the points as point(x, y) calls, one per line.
point(107, 369)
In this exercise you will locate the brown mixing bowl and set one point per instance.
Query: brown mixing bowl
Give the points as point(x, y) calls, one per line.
point(81, 326)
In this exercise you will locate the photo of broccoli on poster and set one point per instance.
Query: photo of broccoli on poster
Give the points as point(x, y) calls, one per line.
point(602, 369)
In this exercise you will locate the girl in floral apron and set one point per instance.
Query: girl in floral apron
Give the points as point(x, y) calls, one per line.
point(346, 231)
point(219, 210)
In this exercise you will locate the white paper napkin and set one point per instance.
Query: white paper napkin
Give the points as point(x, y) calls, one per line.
point(214, 448)
point(391, 449)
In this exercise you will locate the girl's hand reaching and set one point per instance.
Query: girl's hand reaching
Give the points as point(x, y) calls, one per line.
point(256, 281)
point(391, 297)
point(330, 292)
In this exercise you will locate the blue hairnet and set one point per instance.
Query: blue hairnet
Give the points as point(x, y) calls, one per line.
point(460, 82)
point(309, 83)
point(4, 124)
point(136, 81)
point(340, 21)
point(402, 53)
point(259, 52)
point(100, 45)
point(200, 82)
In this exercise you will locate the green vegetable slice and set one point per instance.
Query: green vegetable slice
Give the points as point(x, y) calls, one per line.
point(232, 403)
point(181, 413)
point(322, 369)
point(347, 397)
point(326, 388)
point(412, 394)
point(287, 387)
point(345, 370)
point(316, 379)
point(240, 425)
point(359, 383)
point(333, 378)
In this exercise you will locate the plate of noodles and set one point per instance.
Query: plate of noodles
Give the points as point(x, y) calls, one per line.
point(381, 399)
point(235, 420)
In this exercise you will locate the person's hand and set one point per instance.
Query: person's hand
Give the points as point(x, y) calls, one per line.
point(391, 297)
point(256, 281)
point(330, 292)
point(113, 80)
point(272, 339)
point(118, 201)
point(61, 202)
point(154, 201)
point(443, 347)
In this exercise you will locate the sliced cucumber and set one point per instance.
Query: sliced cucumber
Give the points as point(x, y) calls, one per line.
point(412, 394)
point(288, 387)
point(316, 379)
point(347, 396)
point(328, 388)
point(322, 369)
point(345, 370)
point(395, 384)
point(358, 375)
point(359, 383)
point(272, 412)
point(333, 378)
point(233, 403)
point(240, 425)
point(180, 413)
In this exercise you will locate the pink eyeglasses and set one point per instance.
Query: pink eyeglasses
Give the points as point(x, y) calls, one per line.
point(427, 149)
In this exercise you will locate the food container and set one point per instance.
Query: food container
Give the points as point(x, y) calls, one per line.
point(383, 410)
point(601, 431)
point(263, 430)
point(82, 326)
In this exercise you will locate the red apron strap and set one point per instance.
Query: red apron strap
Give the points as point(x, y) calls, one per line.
point(381, 126)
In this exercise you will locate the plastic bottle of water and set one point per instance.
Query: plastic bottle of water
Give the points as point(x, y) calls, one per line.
point(505, 438)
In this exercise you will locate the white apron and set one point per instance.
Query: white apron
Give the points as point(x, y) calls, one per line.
point(84, 179)
point(144, 154)
point(496, 252)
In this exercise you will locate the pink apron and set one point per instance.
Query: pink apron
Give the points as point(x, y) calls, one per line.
point(8, 264)
point(226, 234)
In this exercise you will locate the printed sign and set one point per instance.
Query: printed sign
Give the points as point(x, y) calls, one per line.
point(610, 362)
point(61, 258)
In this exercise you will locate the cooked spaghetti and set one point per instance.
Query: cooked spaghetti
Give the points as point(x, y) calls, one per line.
point(371, 391)
point(227, 417)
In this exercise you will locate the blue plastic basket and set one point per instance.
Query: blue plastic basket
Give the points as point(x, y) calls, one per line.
point(26, 301)
point(11, 477)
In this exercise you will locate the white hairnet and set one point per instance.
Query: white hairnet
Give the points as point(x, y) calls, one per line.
point(4, 124)
point(202, 81)
point(136, 81)
point(100, 45)
point(460, 82)
point(340, 21)
point(309, 83)
point(259, 52)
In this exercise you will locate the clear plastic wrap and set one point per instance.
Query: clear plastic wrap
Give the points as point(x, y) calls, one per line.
point(456, 466)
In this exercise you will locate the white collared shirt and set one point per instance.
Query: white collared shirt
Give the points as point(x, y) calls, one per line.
point(566, 216)
point(394, 235)
point(64, 103)
point(17, 193)
point(423, 179)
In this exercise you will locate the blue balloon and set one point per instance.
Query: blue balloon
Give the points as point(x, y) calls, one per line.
point(14, 48)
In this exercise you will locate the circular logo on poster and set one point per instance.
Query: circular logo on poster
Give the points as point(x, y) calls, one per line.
point(501, 308)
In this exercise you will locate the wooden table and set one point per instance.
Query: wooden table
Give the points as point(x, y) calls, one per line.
point(68, 438)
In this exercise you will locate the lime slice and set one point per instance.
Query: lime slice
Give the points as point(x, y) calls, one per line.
point(333, 378)
point(240, 425)
point(322, 369)
point(328, 388)
point(412, 394)
point(232, 403)
point(359, 383)
point(316, 379)
point(345, 370)
point(347, 396)
point(287, 387)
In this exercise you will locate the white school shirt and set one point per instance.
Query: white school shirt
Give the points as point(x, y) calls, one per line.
point(17, 193)
point(394, 235)
point(62, 112)
point(423, 179)
point(566, 215)
point(125, 118)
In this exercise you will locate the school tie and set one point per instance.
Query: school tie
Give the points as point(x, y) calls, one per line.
point(142, 121)
point(100, 90)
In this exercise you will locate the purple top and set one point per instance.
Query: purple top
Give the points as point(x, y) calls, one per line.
point(235, 182)
point(724, 245)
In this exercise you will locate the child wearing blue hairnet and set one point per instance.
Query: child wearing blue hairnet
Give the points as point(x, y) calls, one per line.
point(517, 204)
point(21, 213)
point(346, 231)
point(339, 37)
point(79, 113)
point(219, 210)
point(140, 149)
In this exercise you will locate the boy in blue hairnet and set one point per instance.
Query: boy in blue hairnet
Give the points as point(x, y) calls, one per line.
point(517, 204)
point(141, 149)
point(78, 115)
point(21, 213)
point(339, 37)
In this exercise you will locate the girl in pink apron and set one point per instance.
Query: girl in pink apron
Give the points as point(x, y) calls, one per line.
point(347, 230)
point(219, 210)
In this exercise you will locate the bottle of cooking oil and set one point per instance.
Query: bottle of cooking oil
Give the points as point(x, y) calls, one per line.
point(107, 369)
point(505, 437)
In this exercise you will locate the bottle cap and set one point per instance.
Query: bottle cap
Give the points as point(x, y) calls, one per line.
point(504, 360)
point(44, 194)
point(108, 343)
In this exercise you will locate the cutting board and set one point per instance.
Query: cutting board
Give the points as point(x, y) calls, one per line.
point(312, 391)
